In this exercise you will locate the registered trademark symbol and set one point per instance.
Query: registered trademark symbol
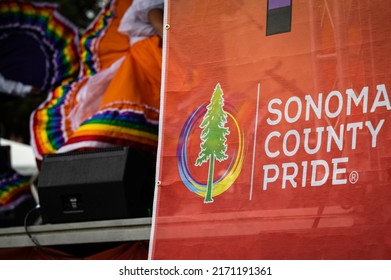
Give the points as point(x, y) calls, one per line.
point(353, 177)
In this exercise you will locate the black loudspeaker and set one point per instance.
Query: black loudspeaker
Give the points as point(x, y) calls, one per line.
point(114, 183)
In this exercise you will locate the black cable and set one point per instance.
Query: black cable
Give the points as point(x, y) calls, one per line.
point(36, 242)
point(26, 217)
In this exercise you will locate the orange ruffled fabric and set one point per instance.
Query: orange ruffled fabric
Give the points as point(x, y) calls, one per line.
point(114, 101)
point(128, 113)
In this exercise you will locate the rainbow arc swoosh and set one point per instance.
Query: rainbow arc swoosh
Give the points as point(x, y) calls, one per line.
point(224, 181)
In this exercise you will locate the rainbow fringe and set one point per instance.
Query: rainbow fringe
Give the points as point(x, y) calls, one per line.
point(12, 187)
point(90, 40)
point(118, 127)
point(49, 131)
point(56, 33)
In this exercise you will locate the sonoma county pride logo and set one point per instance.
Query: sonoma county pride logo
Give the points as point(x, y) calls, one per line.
point(207, 165)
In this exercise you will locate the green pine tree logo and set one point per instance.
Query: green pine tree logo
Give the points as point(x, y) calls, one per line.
point(213, 136)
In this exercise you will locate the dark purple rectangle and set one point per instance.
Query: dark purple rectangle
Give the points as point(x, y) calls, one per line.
point(275, 4)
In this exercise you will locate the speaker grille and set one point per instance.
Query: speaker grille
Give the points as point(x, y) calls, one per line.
point(111, 183)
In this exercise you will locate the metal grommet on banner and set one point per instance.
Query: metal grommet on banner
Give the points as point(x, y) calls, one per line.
point(158, 183)
point(167, 26)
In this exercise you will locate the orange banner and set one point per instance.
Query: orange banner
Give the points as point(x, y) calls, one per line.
point(275, 128)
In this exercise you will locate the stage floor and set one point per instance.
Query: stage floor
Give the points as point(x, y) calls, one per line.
point(77, 233)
